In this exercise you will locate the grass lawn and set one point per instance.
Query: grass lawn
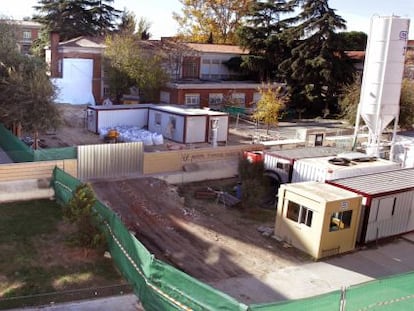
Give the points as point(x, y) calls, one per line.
point(37, 264)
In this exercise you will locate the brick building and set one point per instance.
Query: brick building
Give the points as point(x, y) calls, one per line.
point(27, 33)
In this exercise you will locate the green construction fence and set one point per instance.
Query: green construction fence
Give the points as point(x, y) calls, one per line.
point(18, 151)
point(160, 286)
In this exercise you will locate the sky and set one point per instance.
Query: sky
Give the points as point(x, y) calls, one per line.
point(357, 13)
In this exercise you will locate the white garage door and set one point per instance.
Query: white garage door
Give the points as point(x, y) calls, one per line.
point(75, 86)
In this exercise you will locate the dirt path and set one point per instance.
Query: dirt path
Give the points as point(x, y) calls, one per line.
point(200, 237)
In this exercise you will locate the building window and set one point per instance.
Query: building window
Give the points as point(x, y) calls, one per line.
point(256, 97)
point(215, 98)
point(340, 220)
point(158, 118)
point(27, 35)
point(192, 100)
point(239, 98)
point(25, 49)
point(191, 67)
point(299, 213)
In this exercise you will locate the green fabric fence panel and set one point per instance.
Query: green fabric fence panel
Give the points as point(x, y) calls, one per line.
point(50, 154)
point(17, 150)
point(386, 294)
point(326, 302)
point(234, 110)
point(190, 292)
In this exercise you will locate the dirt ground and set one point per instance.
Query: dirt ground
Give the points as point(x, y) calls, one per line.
point(201, 237)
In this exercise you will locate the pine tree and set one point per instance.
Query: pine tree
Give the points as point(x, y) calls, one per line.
point(128, 23)
point(317, 66)
point(261, 36)
point(74, 18)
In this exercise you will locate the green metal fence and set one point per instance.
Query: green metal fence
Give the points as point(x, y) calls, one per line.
point(160, 286)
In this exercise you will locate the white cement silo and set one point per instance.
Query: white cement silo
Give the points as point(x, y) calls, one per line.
point(382, 77)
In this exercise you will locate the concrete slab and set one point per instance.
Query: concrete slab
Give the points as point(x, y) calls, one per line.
point(124, 302)
point(315, 278)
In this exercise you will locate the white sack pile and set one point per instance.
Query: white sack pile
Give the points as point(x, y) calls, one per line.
point(134, 134)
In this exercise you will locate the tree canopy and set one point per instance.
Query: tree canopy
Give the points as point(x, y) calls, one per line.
point(213, 21)
point(129, 25)
point(269, 106)
point(260, 34)
point(74, 18)
point(353, 40)
point(350, 99)
point(26, 93)
point(317, 67)
point(129, 64)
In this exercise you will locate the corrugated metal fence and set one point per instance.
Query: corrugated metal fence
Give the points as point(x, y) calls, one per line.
point(110, 160)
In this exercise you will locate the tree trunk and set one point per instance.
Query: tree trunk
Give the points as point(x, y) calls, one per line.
point(36, 140)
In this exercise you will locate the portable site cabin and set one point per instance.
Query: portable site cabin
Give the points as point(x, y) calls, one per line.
point(98, 117)
point(387, 204)
point(342, 166)
point(279, 164)
point(187, 125)
point(317, 218)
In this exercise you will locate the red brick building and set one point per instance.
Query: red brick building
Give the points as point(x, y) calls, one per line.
point(27, 33)
point(77, 62)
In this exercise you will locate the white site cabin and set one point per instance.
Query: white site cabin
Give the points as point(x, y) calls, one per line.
point(342, 166)
point(98, 117)
point(388, 202)
point(187, 125)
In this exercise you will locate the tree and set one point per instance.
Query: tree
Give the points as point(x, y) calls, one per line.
point(353, 40)
point(269, 106)
point(79, 211)
point(260, 34)
point(350, 99)
point(406, 119)
point(74, 18)
point(128, 60)
point(220, 18)
point(130, 26)
point(317, 67)
point(26, 93)
point(143, 29)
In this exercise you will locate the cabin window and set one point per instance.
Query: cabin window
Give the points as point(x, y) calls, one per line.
point(158, 118)
point(340, 220)
point(299, 214)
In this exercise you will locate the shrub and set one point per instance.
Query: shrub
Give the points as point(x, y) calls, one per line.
point(79, 211)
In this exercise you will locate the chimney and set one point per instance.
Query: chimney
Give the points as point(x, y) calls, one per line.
point(54, 55)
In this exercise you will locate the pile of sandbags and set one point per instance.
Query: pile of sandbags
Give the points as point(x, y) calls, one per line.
point(134, 134)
